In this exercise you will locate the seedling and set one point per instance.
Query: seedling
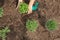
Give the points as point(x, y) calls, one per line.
point(3, 33)
point(31, 25)
point(1, 12)
point(23, 8)
point(51, 24)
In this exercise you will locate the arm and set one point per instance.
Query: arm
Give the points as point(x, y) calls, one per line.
point(30, 6)
point(19, 1)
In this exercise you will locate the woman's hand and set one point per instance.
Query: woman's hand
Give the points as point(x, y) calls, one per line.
point(29, 9)
point(30, 6)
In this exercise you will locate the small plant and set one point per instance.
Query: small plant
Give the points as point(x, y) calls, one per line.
point(23, 8)
point(51, 25)
point(1, 12)
point(31, 25)
point(3, 33)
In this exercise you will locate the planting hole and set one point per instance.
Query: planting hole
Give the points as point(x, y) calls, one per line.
point(16, 2)
point(1, 3)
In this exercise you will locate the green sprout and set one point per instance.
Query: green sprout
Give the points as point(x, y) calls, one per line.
point(51, 24)
point(31, 25)
point(3, 33)
point(1, 12)
point(23, 8)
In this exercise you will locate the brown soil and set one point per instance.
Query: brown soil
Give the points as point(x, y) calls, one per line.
point(48, 9)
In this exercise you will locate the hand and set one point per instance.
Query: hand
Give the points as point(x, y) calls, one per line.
point(29, 9)
point(20, 1)
point(30, 6)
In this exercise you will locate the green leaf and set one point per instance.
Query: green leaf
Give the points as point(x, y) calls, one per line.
point(51, 24)
point(1, 12)
point(31, 25)
point(3, 33)
point(23, 8)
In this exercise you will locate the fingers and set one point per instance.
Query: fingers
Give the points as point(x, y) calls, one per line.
point(29, 9)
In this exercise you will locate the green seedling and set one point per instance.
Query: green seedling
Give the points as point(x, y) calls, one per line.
point(31, 25)
point(1, 12)
point(3, 33)
point(51, 24)
point(23, 8)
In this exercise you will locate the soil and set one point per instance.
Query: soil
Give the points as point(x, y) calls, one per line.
point(47, 9)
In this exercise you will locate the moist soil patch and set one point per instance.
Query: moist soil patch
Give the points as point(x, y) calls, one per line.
point(47, 9)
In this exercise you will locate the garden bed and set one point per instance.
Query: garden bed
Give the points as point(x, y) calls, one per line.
point(48, 9)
